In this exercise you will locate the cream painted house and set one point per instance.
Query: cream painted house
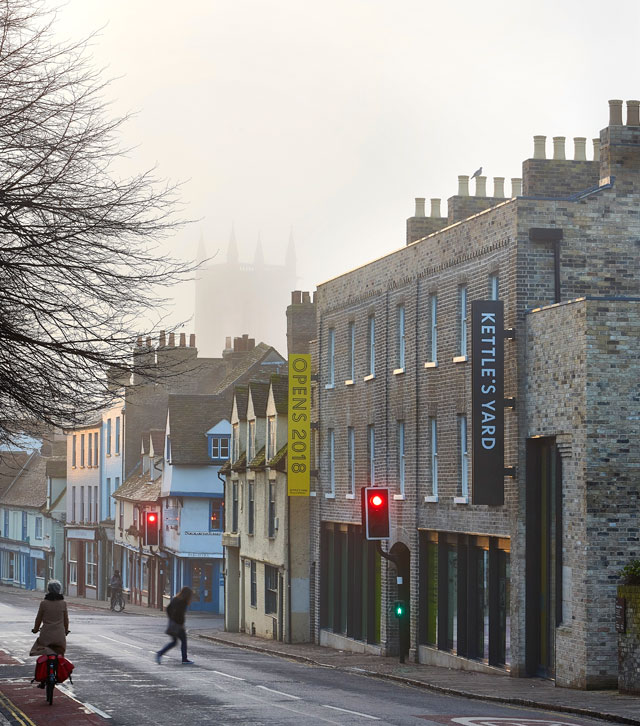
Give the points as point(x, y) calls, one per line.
point(266, 534)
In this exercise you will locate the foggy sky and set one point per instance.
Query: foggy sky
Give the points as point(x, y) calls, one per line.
point(330, 117)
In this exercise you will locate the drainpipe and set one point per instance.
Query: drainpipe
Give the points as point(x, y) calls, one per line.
point(224, 550)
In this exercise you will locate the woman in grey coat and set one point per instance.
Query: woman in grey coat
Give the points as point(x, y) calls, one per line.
point(54, 619)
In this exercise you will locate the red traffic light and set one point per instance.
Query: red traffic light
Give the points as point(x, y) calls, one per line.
point(151, 534)
point(375, 512)
point(151, 518)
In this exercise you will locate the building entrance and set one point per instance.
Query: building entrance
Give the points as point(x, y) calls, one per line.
point(543, 554)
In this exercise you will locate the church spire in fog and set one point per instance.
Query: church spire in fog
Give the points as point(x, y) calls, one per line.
point(201, 254)
point(258, 259)
point(232, 250)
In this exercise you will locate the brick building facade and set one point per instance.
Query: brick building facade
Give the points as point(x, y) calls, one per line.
point(527, 586)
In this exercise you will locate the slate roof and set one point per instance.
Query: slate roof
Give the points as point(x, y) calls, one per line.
point(240, 464)
point(225, 469)
point(280, 387)
point(252, 358)
point(241, 394)
point(139, 487)
point(190, 417)
point(258, 461)
point(11, 464)
point(29, 486)
point(279, 461)
point(259, 391)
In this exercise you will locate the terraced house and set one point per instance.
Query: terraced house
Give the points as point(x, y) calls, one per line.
point(511, 515)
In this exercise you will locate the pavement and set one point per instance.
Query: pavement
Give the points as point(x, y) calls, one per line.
point(609, 705)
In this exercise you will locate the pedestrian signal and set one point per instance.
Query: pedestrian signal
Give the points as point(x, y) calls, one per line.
point(151, 528)
point(375, 512)
point(399, 609)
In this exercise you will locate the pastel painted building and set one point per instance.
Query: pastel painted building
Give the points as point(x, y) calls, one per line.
point(198, 435)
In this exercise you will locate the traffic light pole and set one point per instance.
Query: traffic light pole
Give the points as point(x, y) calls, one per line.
point(393, 559)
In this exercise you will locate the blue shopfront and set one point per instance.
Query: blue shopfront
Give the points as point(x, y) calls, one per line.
point(205, 578)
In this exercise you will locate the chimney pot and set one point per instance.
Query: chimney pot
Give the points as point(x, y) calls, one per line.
point(435, 208)
point(227, 342)
point(498, 187)
point(516, 187)
point(183, 340)
point(580, 148)
point(615, 112)
point(419, 207)
point(148, 341)
point(251, 343)
point(481, 186)
point(139, 341)
point(596, 149)
point(633, 113)
point(296, 297)
point(306, 297)
point(172, 340)
point(463, 186)
point(192, 340)
point(539, 147)
point(163, 339)
point(558, 148)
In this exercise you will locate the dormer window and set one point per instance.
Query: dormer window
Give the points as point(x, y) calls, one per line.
point(219, 447)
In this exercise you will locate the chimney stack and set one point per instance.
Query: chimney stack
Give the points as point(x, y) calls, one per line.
point(558, 148)
point(172, 340)
point(435, 208)
point(539, 147)
point(192, 340)
point(163, 340)
point(580, 148)
point(516, 187)
point(139, 341)
point(615, 113)
point(149, 341)
point(633, 113)
point(419, 207)
point(463, 186)
point(498, 187)
point(596, 149)
point(183, 340)
point(481, 186)
point(227, 342)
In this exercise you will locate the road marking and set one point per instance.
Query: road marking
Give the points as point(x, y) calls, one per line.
point(355, 713)
point(280, 693)
point(20, 717)
point(122, 642)
point(96, 710)
point(235, 678)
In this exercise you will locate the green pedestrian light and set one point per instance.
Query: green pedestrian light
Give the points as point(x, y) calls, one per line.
point(399, 609)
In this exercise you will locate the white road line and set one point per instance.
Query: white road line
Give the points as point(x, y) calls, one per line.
point(235, 678)
point(68, 693)
point(280, 693)
point(355, 713)
point(122, 642)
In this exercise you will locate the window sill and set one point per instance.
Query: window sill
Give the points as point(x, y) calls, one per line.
point(329, 386)
point(349, 382)
point(461, 500)
point(330, 495)
point(398, 371)
point(399, 498)
point(459, 359)
point(431, 364)
point(431, 498)
point(349, 496)
point(370, 377)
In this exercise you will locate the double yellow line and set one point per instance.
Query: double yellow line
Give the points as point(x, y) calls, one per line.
point(21, 718)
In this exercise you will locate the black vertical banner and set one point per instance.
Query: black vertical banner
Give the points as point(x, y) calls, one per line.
point(487, 412)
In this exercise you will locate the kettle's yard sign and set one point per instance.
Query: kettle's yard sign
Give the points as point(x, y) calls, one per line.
point(487, 410)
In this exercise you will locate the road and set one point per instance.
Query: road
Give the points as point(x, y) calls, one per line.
point(117, 677)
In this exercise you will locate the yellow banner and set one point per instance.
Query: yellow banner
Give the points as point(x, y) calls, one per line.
point(299, 440)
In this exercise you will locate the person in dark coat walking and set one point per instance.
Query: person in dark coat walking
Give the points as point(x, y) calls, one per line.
point(175, 628)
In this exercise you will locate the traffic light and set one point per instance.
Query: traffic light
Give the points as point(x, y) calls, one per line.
point(399, 609)
point(375, 512)
point(151, 528)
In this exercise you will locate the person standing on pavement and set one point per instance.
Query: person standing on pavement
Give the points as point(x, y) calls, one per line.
point(54, 619)
point(175, 628)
